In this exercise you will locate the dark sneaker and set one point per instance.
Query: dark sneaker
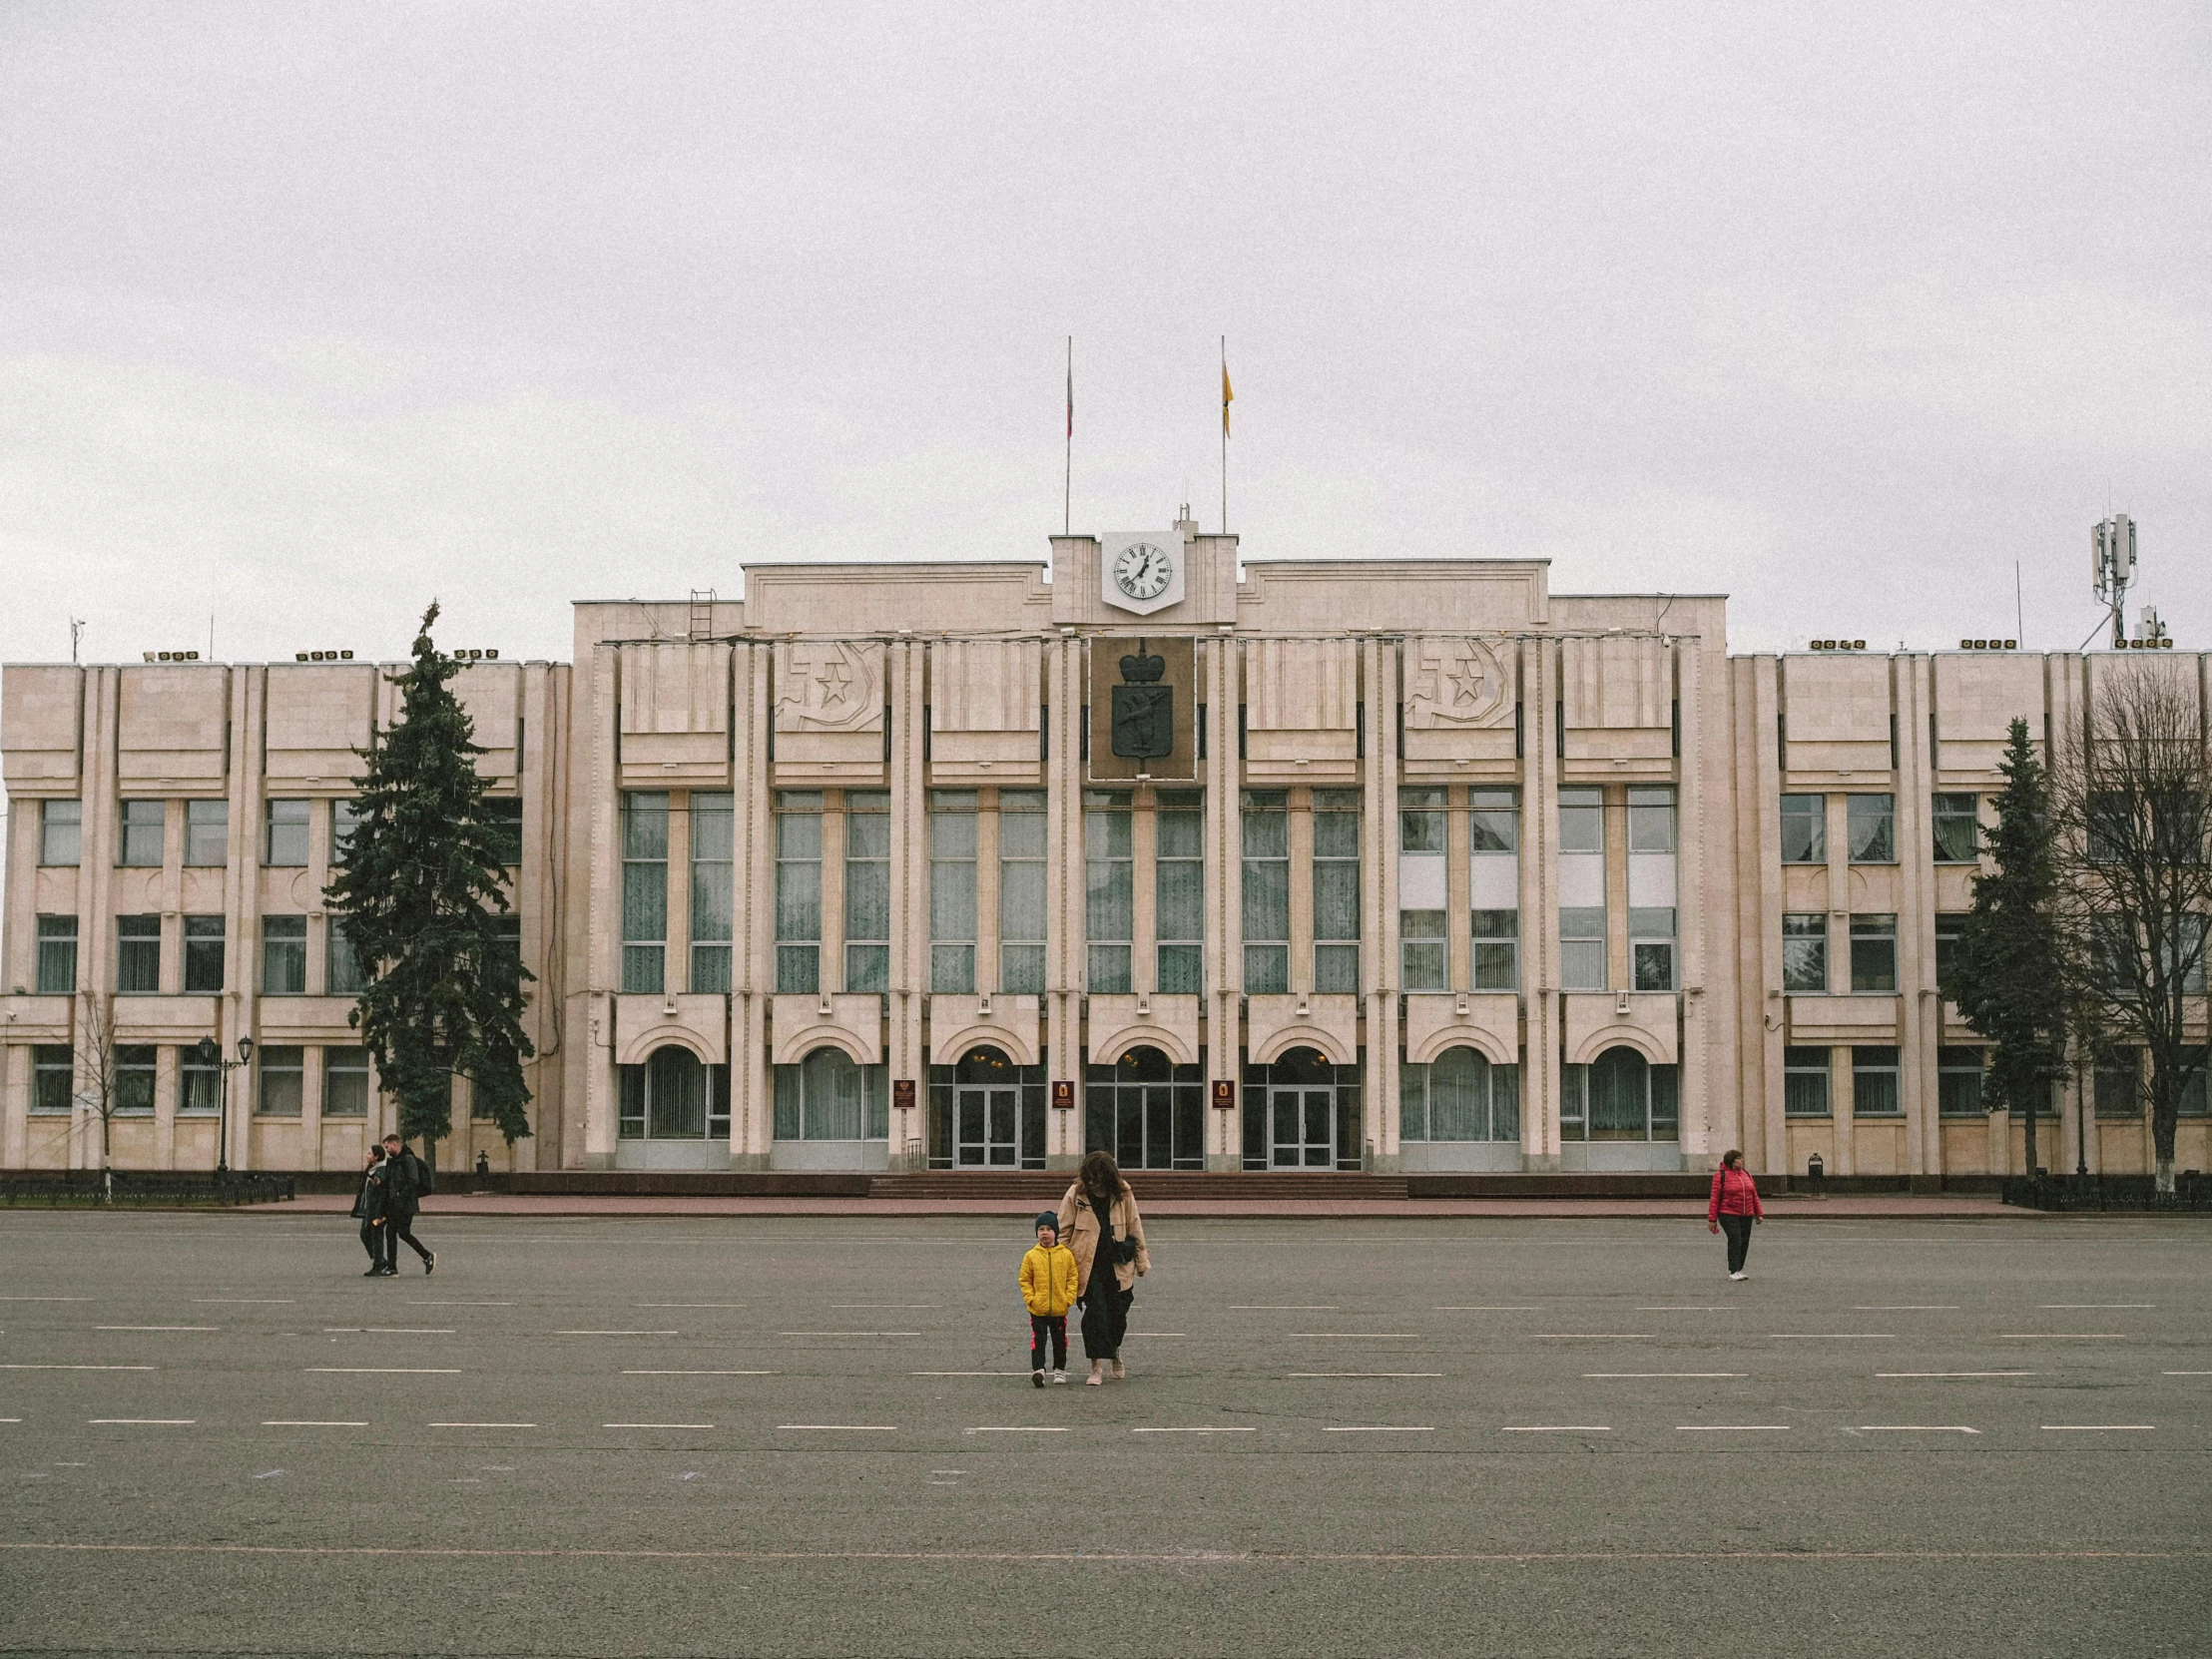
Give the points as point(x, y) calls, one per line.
point(373, 1272)
point(429, 1264)
point(1037, 1379)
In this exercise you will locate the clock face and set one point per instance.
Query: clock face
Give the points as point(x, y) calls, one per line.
point(1142, 570)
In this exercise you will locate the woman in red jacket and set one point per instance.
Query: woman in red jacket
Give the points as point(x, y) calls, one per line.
point(1735, 1207)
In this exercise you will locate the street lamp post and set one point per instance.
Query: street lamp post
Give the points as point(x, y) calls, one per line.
point(211, 1057)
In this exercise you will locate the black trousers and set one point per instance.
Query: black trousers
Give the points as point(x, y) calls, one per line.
point(398, 1228)
point(1048, 1332)
point(372, 1241)
point(1738, 1229)
point(1105, 1316)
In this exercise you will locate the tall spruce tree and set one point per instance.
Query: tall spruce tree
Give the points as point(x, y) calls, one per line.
point(421, 885)
point(2011, 980)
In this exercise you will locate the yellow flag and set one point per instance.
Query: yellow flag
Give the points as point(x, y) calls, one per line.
point(1227, 397)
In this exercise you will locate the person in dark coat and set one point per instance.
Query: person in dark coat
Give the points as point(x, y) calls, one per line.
point(410, 1179)
point(369, 1205)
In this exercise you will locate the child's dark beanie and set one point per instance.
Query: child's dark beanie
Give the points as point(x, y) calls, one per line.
point(1046, 1218)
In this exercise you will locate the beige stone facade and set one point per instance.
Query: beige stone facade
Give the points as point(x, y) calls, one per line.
point(1420, 868)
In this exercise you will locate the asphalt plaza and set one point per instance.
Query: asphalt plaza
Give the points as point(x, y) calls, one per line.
point(817, 1435)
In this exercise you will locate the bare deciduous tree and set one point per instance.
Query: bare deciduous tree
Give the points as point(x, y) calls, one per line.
point(97, 1056)
point(2131, 803)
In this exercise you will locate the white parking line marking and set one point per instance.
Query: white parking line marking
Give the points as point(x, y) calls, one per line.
point(2185, 1374)
point(1352, 1335)
point(77, 1367)
point(1730, 1428)
point(617, 1332)
point(1480, 1307)
point(387, 1371)
point(702, 1374)
point(844, 1428)
point(144, 1422)
point(309, 1423)
point(1177, 1334)
point(1556, 1428)
point(2066, 1336)
point(691, 1305)
point(1688, 1308)
point(10, 1420)
point(2099, 1427)
point(241, 1302)
point(1923, 1374)
point(387, 1331)
point(1634, 1375)
point(880, 1306)
point(1283, 1308)
point(656, 1425)
point(1906, 1308)
point(1014, 1428)
point(2088, 1306)
point(156, 1327)
point(460, 1305)
point(1314, 1375)
point(45, 1299)
point(1591, 1336)
point(483, 1425)
point(1912, 1428)
point(1222, 1429)
point(967, 1374)
point(1834, 1336)
point(1381, 1428)
point(849, 1333)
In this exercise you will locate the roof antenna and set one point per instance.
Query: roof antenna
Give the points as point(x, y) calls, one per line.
point(76, 627)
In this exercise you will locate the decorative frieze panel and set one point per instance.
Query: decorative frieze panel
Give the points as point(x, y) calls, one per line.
point(40, 726)
point(1302, 709)
point(1121, 1023)
point(675, 713)
point(1486, 1021)
point(1458, 699)
point(1645, 1021)
point(1976, 699)
point(492, 695)
point(1835, 711)
point(171, 724)
point(985, 701)
point(318, 718)
point(1010, 1024)
point(830, 696)
point(1618, 699)
point(1274, 1025)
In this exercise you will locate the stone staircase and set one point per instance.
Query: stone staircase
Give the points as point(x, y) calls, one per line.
point(1044, 1187)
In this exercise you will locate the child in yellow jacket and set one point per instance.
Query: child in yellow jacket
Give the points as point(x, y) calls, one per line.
point(1048, 1290)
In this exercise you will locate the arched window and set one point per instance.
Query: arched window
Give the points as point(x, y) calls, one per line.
point(829, 1097)
point(672, 1097)
point(1459, 1096)
point(986, 1111)
point(1620, 1096)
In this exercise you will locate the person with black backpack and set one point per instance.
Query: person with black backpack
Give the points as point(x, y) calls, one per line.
point(411, 1181)
point(369, 1205)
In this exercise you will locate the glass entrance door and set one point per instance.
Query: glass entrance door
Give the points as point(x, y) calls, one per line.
point(986, 1127)
point(1303, 1124)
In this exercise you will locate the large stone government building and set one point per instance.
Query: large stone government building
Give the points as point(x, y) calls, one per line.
point(1394, 866)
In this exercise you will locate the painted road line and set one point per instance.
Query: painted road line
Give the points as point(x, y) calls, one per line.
point(483, 1425)
point(156, 1327)
point(880, 1307)
point(387, 1331)
point(1730, 1428)
point(1688, 1307)
point(702, 1374)
point(2089, 1307)
point(1012, 1429)
point(45, 1299)
point(1911, 1429)
point(76, 1367)
point(2099, 1427)
point(1925, 1374)
point(618, 1332)
point(671, 1305)
point(1906, 1308)
point(1224, 1428)
point(1354, 1335)
point(656, 1425)
point(309, 1423)
point(2064, 1335)
point(1481, 1307)
point(1283, 1308)
point(460, 1305)
point(142, 1422)
point(1556, 1428)
point(967, 1374)
point(1381, 1428)
point(1155, 1333)
point(849, 1333)
point(2185, 1374)
point(1591, 1336)
point(242, 1301)
point(1631, 1376)
point(10, 1420)
point(1316, 1375)
point(385, 1370)
point(842, 1427)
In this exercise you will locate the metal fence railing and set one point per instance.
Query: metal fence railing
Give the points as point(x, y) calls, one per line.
point(165, 1189)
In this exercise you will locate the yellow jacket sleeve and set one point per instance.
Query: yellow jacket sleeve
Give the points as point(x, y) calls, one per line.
point(1036, 1289)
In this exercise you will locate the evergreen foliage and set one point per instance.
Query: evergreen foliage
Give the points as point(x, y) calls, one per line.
point(421, 885)
point(2010, 983)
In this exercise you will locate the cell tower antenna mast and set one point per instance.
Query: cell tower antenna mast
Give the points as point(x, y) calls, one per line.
point(2112, 563)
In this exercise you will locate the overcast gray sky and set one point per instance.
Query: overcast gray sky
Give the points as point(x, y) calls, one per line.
point(311, 312)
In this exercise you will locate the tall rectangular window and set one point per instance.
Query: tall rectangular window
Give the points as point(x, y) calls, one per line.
point(57, 956)
point(1423, 891)
point(505, 960)
point(1582, 888)
point(341, 964)
point(1957, 830)
point(1804, 1083)
point(61, 839)
point(1266, 892)
point(799, 891)
point(346, 1087)
point(1179, 893)
point(2118, 1088)
point(1021, 844)
point(713, 889)
point(1805, 952)
point(868, 891)
point(1874, 1082)
point(346, 818)
point(1805, 828)
point(1493, 887)
point(207, 834)
point(1873, 821)
point(503, 823)
point(137, 954)
point(1336, 890)
point(1651, 888)
point(133, 1079)
point(51, 1078)
point(645, 890)
point(204, 937)
point(1949, 930)
point(287, 843)
point(283, 956)
point(284, 1076)
point(198, 1087)
point(1874, 953)
point(1109, 889)
point(952, 846)
point(142, 833)
point(1958, 1075)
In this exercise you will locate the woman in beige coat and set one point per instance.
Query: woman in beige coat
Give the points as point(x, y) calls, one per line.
point(1099, 1222)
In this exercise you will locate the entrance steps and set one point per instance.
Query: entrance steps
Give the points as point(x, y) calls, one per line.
point(1044, 1187)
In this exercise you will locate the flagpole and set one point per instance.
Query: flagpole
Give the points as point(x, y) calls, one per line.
point(1067, 482)
point(1224, 434)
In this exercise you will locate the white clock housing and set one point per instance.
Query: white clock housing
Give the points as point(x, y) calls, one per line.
point(1141, 571)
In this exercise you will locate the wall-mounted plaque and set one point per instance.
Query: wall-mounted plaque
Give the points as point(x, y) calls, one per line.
point(1143, 704)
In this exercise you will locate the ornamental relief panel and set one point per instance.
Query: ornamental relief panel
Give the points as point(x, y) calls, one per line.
point(1456, 684)
point(829, 685)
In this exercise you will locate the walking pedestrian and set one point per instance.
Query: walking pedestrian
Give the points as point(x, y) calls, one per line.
point(1735, 1208)
point(1099, 1221)
point(368, 1210)
point(1048, 1292)
point(410, 1179)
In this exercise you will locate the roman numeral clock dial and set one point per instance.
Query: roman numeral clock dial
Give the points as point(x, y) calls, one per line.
point(1142, 570)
